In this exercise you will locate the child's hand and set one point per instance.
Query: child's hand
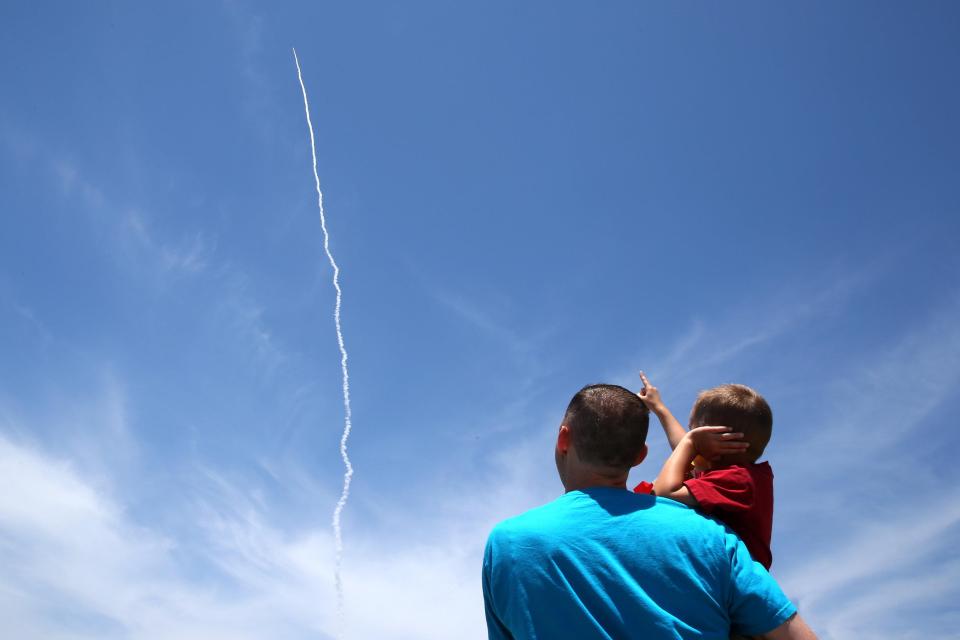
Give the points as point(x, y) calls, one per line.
point(713, 442)
point(649, 394)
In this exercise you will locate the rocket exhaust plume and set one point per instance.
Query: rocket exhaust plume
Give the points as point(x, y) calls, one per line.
point(347, 425)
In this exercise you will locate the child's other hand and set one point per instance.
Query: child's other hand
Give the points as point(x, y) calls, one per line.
point(713, 442)
point(649, 394)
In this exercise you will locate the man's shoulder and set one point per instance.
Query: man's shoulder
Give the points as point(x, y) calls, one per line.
point(578, 512)
point(530, 521)
point(518, 539)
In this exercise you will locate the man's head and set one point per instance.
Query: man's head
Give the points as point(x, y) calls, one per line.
point(603, 435)
point(742, 409)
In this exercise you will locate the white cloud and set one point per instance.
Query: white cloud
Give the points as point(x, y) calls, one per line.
point(190, 256)
point(711, 343)
point(862, 450)
point(891, 394)
point(71, 551)
point(147, 254)
point(897, 539)
point(890, 608)
point(25, 314)
point(133, 239)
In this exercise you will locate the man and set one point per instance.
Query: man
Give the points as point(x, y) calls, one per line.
point(603, 562)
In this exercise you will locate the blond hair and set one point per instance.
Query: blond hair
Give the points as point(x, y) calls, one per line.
point(739, 407)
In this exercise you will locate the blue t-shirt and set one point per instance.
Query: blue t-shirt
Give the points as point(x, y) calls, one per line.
point(609, 563)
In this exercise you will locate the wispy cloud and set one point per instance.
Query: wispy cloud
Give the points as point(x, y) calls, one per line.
point(133, 237)
point(71, 551)
point(72, 183)
point(491, 317)
point(907, 607)
point(188, 256)
point(916, 373)
point(259, 104)
point(910, 534)
point(148, 255)
point(869, 414)
point(712, 341)
point(80, 561)
point(482, 319)
point(10, 303)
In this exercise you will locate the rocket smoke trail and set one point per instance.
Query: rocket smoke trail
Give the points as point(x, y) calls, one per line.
point(348, 472)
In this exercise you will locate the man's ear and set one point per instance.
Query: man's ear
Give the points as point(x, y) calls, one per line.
point(563, 439)
point(641, 455)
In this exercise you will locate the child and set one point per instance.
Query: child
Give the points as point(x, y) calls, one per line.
point(727, 482)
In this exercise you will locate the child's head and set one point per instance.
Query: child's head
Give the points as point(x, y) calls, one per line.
point(741, 408)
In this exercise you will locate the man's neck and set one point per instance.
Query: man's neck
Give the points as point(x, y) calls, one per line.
point(591, 479)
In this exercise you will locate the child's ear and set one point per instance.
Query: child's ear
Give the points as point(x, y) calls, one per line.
point(640, 456)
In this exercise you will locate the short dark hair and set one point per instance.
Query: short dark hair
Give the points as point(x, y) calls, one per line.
point(608, 425)
point(739, 407)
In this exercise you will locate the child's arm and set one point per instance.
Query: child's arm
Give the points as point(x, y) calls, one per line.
point(671, 426)
point(710, 442)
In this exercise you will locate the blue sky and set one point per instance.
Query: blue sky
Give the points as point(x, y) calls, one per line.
point(523, 198)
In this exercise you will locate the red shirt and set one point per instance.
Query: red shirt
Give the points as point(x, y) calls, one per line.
point(742, 498)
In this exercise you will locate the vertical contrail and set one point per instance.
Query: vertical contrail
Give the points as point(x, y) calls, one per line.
point(348, 468)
